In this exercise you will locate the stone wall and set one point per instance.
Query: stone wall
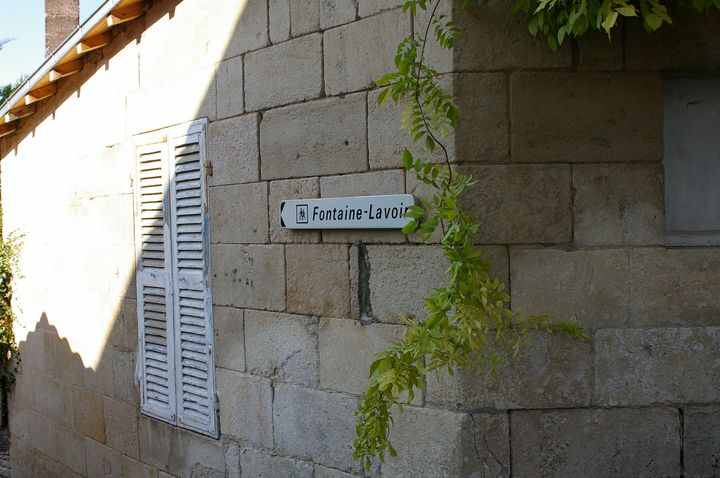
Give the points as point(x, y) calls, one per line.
point(567, 149)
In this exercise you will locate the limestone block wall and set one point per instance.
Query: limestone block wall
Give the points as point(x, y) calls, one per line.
point(567, 149)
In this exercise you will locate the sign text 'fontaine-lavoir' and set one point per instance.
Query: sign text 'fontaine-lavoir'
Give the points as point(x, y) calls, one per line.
point(356, 212)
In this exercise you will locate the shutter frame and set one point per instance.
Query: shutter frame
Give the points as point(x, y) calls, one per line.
point(151, 280)
point(191, 284)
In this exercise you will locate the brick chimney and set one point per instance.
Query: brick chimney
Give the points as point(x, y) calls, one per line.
point(61, 18)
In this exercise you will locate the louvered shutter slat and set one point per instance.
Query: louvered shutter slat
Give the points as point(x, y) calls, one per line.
point(155, 310)
point(195, 369)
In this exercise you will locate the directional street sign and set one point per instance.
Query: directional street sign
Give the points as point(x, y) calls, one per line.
point(355, 212)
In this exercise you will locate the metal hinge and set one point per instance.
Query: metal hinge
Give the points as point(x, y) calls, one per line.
point(208, 168)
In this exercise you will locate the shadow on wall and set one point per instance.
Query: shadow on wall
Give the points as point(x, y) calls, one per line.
point(75, 408)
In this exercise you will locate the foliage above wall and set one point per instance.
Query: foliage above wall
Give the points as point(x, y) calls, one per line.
point(558, 20)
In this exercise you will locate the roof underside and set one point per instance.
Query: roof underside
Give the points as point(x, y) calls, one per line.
point(67, 59)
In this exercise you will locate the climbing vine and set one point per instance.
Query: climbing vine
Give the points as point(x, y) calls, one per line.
point(9, 354)
point(468, 320)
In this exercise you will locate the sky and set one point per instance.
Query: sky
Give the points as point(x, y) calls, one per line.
point(24, 20)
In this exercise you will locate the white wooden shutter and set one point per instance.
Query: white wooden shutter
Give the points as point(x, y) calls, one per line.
point(194, 363)
point(154, 283)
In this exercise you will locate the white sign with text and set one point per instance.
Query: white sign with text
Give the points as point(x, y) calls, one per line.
point(355, 212)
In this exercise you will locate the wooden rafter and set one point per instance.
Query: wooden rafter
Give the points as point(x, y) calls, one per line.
point(40, 94)
point(66, 69)
point(92, 43)
point(18, 113)
point(7, 129)
point(125, 14)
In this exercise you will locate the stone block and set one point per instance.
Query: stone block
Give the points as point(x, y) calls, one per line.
point(337, 12)
point(687, 45)
point(108, 462)
point(246, 407)
point(557, 117)
point(354, 59)
point(371, 7)
point(363, 184)
point(233, 150)
point(518, 203)
point(89, 414)
point(70, 449)
point(701, 441)
point(675, 287)
point(597, 52)
point(618, 204)
point(194, 455)
point(496, 39)
point(591, 287)
point(320, 137)
point(256, 464)
point(249, 276)
point(315, 425)
point(294, 66)
point(121, 420)
point(156, 441)
point(234, 30)
point(230, 88)
point(239, 213)
point(347, 348)
point(317, 280)
point(439, 443)
point(304, 17)
point(324, 472)
point(55, 401)
point(279, 20)
point(400, 277)
point(282, 346)
point(609, 442)
point(229, 338)
point(552, 371)
point(656, 366)
point(306, 188)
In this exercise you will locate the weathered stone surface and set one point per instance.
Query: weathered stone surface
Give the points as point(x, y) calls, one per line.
point(156, 442)
point(354, 59)
point(321, 137)
point(552, 371)
point(363, 184)
point(598, 443)
point(304, 16)
point(324, 472)
point(239, 213)
point(491, 440)
point(121, 421)
point(675, 287)
point(291, 189)
point(400, 277)
point(557, 117)
point(519, 203)
point(688, 46)
point(317, 280)
point(294, 66)
point(347, 348)
point(71, 449)
point(415, 435)
point(54, 399)
point(591, 287)
point(337, 12)
point(649, 366)
point(256, 464)
point(370, 7)
point(88, 414)
point(248, 276)
point(316, 425)
point(701, 441)
point(195, 455)
point(246, 407)
point(229, 338)
point(496, 39)
point(234, 30)
point(599, 53)
point(618, 204)
point(279, 20)
point(230, 97)
point(282, 346)
point(233, 150)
